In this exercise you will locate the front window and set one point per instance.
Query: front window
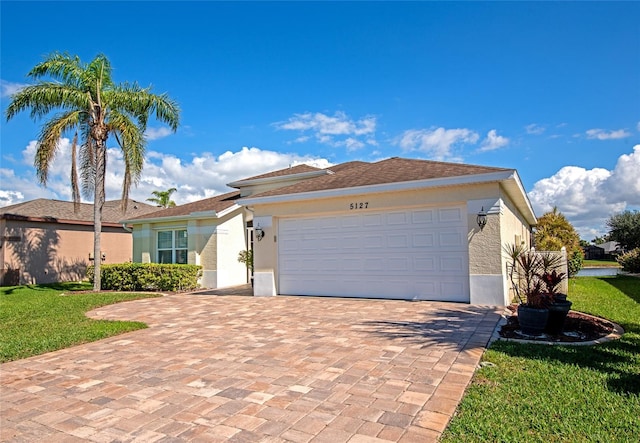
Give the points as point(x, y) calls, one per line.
point(172, 246)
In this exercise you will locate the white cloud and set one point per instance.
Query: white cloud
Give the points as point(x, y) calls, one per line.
point(493, 141)
point(438, 143)
point(197, 177)
point(156, 133)
point(331, 129)
point(7, 89)
point(535, 129)
point(589, 197)
point(601, 134)
point(624, 182)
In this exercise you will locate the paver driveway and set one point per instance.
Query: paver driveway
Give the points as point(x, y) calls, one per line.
point(215, 368)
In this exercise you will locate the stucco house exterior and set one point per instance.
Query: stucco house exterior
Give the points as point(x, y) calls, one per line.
point(396, 228)
point(47, 241)
point(209, 233)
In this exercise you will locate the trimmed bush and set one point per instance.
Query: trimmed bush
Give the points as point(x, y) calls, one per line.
point(147, 277)
point(574, 263)
point(630, 261)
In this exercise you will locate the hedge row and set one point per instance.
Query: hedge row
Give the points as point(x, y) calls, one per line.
point(147, 277)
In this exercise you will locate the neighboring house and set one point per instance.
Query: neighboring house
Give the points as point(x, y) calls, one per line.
point(46, 241)
point(397, 228)
point(593, 252)
point(611, 249)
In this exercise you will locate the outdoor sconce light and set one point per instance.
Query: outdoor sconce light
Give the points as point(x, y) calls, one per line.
point(481, 219)
point(259, 233)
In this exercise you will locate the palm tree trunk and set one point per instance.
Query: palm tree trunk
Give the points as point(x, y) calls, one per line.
point(98, 203)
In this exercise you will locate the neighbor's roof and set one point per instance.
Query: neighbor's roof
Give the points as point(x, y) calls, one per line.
point(46, 210)
point(392, 170)
point(214, 205)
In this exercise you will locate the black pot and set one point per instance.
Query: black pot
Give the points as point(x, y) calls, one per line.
point(532, 320)
point(559, 297)
point(557, 315)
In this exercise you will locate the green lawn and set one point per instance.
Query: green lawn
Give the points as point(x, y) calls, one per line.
point(600, 264)
point(539, 393)
point(36, 319)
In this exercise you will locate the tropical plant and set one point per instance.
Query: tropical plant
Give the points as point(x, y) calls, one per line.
point(92, 107)
point(550, 274)
point(163, 198)
point(526, 271)
point(246, 257)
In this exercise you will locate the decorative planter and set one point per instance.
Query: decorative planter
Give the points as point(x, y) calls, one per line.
point(532, 320)
point(558, 311)
point(559, 297)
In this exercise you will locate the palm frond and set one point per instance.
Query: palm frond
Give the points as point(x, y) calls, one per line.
point(88, 167)
point(43, 98)
point(49, 141)
point(140, 103)
point(64, 67)
point(75, 192)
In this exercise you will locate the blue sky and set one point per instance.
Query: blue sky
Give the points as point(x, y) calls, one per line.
point(549, 89)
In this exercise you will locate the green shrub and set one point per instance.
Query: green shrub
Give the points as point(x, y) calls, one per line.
point(630, 261)
point(574, 263)
point(147, 277)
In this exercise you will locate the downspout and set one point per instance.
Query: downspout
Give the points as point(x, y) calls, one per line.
point(124, 226)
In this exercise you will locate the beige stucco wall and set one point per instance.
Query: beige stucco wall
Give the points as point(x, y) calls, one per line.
point(485, 258)
point(53, 252)
point(213, 243)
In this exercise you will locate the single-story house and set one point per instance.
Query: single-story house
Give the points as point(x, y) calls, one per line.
point(593, 252)
point(612, 249)
point(47, 241)
point(396, 228)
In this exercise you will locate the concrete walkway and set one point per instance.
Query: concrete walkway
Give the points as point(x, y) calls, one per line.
point(247, 369)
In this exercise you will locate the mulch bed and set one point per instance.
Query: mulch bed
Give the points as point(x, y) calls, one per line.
point(577, 328)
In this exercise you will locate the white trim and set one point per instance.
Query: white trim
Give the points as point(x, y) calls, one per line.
point(279, 178)
point(386, 187)
point(487, 289)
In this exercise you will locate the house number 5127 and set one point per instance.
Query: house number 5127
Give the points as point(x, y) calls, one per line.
point(359, 205)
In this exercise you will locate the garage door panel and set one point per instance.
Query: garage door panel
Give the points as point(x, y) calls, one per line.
point(423, 240)
point(413, 254)
point(397, 218)
point(372, 220)
point(450, 215)
point(422, 217)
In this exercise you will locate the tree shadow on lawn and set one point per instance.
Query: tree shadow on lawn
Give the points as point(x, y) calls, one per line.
point(461, 329)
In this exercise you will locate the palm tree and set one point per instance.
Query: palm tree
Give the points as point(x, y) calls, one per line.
point(93, 106)
point(163, 198)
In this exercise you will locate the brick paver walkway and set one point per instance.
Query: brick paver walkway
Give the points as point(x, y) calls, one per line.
point(215, 368)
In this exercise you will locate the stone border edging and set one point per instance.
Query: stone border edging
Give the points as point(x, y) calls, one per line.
point(614, 335)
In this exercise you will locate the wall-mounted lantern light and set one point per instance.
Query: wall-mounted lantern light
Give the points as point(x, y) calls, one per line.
point(259, 232)
point(481, 219)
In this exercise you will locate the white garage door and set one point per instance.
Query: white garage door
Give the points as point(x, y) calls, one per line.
point(410, 254)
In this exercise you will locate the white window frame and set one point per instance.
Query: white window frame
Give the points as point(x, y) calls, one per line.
point(174, 249)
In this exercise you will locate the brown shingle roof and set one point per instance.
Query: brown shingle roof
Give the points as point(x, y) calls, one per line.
point(298, 169)
point(218, 203)
point(58, 210)
point(392, 170)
